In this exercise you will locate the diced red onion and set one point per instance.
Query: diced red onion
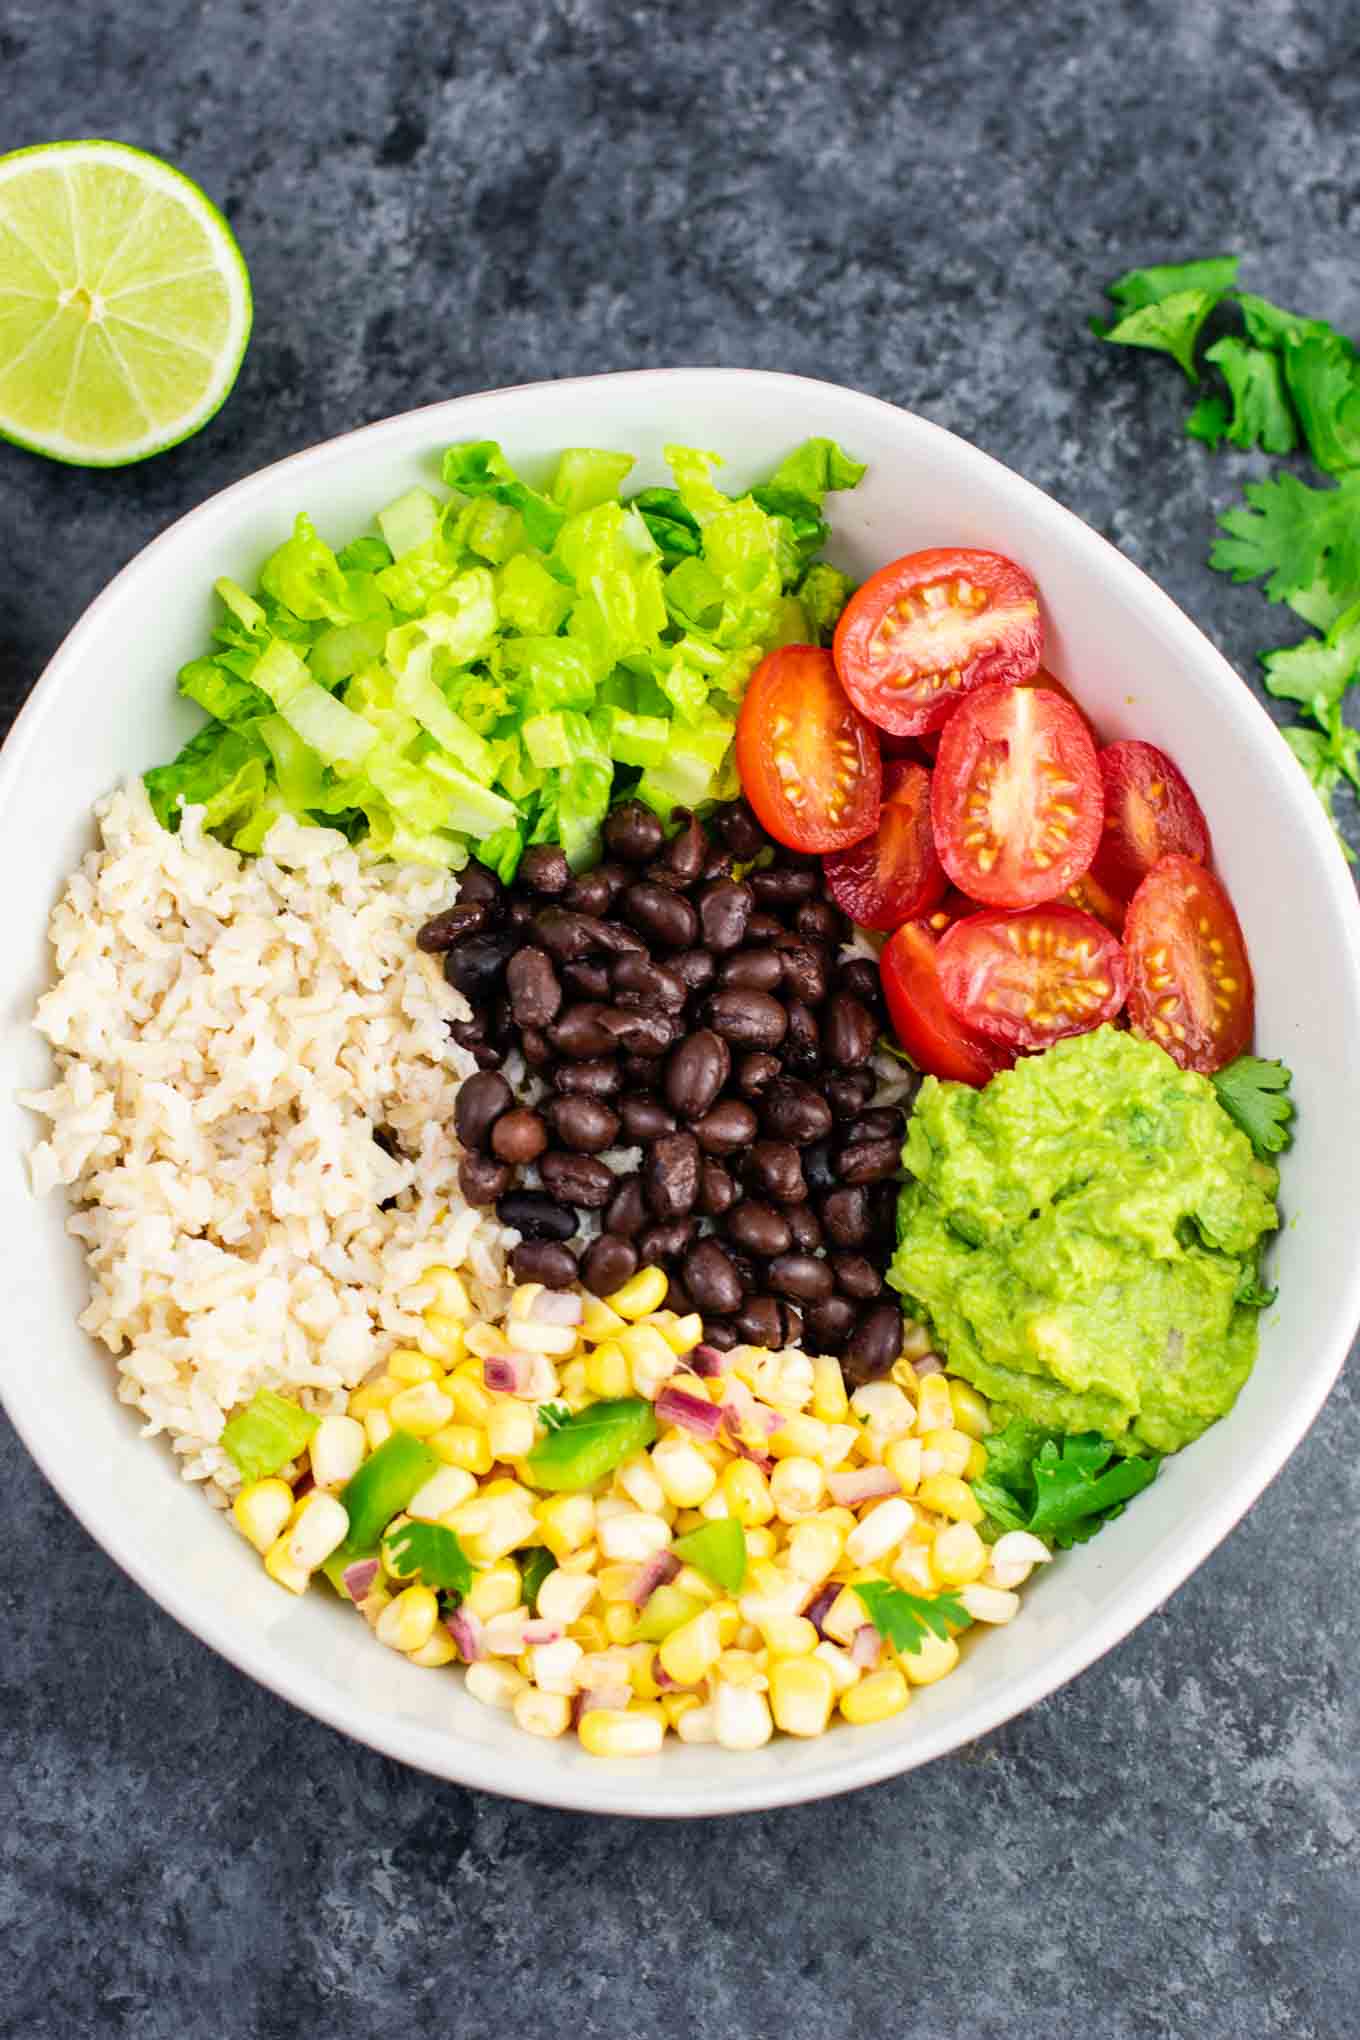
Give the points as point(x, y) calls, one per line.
point(866, 1647)
point(929, 1363)
point(540, 1631)
point(616, 1697)
point(466, 1631)
point(654, 1572)
point(820, 1605)
point(710, 1362)
point(359, 1578)
point(864, 1484)
point(507, 1373)
point(741, 1403)
point(556, 1307)
point(763, 1460)
point(693, 1412)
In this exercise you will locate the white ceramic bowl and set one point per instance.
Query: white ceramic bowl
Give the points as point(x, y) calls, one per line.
point(106, 707)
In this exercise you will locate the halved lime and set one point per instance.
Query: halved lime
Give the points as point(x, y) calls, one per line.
point(124, 303)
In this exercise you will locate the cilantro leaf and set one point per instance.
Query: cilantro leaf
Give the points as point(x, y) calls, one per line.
point(1318, 671)
point(1139, 287)
point(435, 1553)
point(1271, 326)
point(905, 1619)
point(1327, 756)
point(1318, 604)
point(1324, 381)
point(553, 1414)
point(1254, 1092)
point(1171, 326)
point(1209, 421)
point(1296, 535)
point(1059, 1487)
point(1260, 415)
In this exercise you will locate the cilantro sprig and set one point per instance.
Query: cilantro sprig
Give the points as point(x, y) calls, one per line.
point(433, 1552)
point(1255, 1093)
point(1285, 381)
point(905, 1619)
point(1061, 1488)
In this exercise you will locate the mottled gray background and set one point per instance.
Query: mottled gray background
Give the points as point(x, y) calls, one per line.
point(925, 203)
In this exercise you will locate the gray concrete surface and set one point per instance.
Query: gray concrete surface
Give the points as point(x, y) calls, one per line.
point(925, 203)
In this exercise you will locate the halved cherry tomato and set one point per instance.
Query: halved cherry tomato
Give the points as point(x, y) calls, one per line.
point(1031, 977)
point(1090, 896)
point(808, 760)
point(1015, 796)
point(1043, 678)
point(955, 906)
point(1190, 987)
point(936, 1042)
point(893, 875)
point(921, 633)
point(1150, 813)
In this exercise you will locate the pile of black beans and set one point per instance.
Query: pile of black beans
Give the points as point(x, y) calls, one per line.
point(689, 996)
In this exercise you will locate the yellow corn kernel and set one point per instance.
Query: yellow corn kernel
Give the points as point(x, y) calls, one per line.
point(829, 1399)
point(650, 1360)
point(600, 1322)
point(675, 1706)
point(440, 1650)
point(945, 1451)
point(446, 1335)
point(813, 1549)
point(903, 1461)
point(318, 1527)
point(802, 1694)
point(538, 1713)
point(374, 1601)
point(616, 1582)
point(408, 1366)
point(797, 1487)
point(846, 1614)
point(450, 1293)
point(421, 1409)
point(372, 1395)
point(689, 1653)
point(740, 1668)
point(971, 1410)
point(729, 1622)
point(642, 1671)
point(620, 1620)
point(990, 1604)
point(443, 1492)
point(949, 1496)
point(408, 1622)
point(844, 1671)
point(800, 1437)
point(575, 1563)
point(685, 1477)
point(682, 1334)
point(616, 1732)
point(337, 1450)
point(589, 1632)
point(933, 1658)
point(261, 1512)
point(462, 1445)
point(510, 1428)
point(573, 1386)
point(761, 1543)
point(644, 1293)
point(747, 1492)
point(494, 1591)
point(283, 1568)
point(472, 1401)
point(567, 1523)
point(741, 1717)
point(958, 1555)
point(637, 1480)
point(689, 1580)
point(491, 1526)
point(494, 1682)
point(882, 1694)
point(911, 1568)
point(934, 1410)
point(788, 1636)
point(378, 1428)
point(607, 1374)
point(903, 1375)
point(976, 1464)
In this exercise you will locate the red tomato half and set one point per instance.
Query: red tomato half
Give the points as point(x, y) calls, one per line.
point(936, 1042)
point(1043, 678)
point(1150, 813)
point(1190, 986)
point(1090, 896)
point(808, 760)
point(1015, 796)
point(1030, 978)
point(921, 633)
point(893, 875)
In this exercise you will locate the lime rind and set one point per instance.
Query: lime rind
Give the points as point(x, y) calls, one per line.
point(165, 320)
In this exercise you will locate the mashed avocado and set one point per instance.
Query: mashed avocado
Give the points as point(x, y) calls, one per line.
point(1085, 1233)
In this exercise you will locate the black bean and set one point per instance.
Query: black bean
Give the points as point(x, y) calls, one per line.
point(883, 1122)
point(536, 1216)
point(665, 1242)
point(544, 869)
point(535, 993)
point(805, 1228)
point(856, 1277)
point(637, 983)
point(642, 1072)
point(587, 980)
point(645, 1118)
point(717, 865)
point(535, 1047)
point(717, 1190)
point(615, 876)
point(845, 1214)
point(597, 1076)
point(608, 1263)
point(589, 894)
point(760, 970)
point(850, 1030)
point(670, 1175)
point(694, 967)
point(479, 1104)
point(633, 833)
point(678, 1296)
point(580, 1033)
point(500, 1021)
point(696, 1070)
point(520, 916)
point(793, 1111)
point(778, 887)
point(860, 978)
point(712, 1280)
point(476, 968)
point(662, 916)
point(875, 1344)
point(759, 1228)
point(569, 936)
point(820, 921)
point(805, 970)
point(727, 1127)
point(519, 1136)
point(472, 1035)
point(760, 1322)
point(869, 1161)
point(482, 1179)
point(883, 1200)
point(829, 1324)
point(756, 1072)
point(584, 1124)
point(740, 830)
point(646, 1034)
point(479, 887)
point(803, 1043)
point(750, 1019)
point(626, 1212)
point(804, 1276)
point(765, 928)
point(545, 1261)
point(721, 1336)
point(777, 1167)
point(748, 1268)
point(849, 1091)
point(456, 922)
point(577, 1179)
point(687, 852)
point(724, 910)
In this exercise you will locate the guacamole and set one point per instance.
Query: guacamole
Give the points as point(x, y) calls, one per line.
point(1085, 1235)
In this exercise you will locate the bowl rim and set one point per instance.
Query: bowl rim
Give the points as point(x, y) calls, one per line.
point(442, 1754)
